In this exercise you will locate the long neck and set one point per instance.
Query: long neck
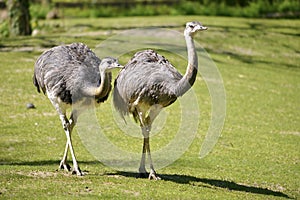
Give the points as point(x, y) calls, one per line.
point(101, 90)
point(191, 72)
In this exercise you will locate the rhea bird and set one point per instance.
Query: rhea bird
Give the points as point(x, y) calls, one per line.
point(148, 83)
point(73, 76)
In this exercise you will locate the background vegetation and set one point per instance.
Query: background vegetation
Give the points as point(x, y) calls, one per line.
point(51, 9)
point(249, 8)
point(257, 156)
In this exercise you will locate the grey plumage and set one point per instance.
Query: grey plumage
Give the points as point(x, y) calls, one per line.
point(147, 75)
point(73, 75)
point(68, 70)
point(148, 83)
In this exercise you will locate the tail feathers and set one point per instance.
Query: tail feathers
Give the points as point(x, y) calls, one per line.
point(36, 84)
point(119, 103)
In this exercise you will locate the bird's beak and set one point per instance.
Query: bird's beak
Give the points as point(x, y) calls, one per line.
point(117, 65)
point(201, 28)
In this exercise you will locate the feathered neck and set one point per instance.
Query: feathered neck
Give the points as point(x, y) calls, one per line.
point(102, 89)
point(191, 72)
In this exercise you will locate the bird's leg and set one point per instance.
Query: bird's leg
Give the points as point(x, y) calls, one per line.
point(63, 163)
point(152, 173)
point(146, 149)
point(142, 169)
point(68, 129)
point(65, 123)
point(73, 120)
point(154, 111)
point(146, 128)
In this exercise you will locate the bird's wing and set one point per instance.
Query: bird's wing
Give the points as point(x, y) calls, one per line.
point(150, 68)
point(148, 77)
point(65, 69)
point(149, 60)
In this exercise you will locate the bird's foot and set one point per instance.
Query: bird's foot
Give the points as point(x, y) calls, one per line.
point(77, 171)
point(153, 175)
point(65, 166)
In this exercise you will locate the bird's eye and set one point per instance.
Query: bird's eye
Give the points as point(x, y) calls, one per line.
point(191, 26)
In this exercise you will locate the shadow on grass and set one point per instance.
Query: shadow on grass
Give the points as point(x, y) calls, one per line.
point(230, 185)
point(252, 60)
point(176, 178)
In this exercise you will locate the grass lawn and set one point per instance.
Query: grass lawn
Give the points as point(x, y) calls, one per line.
point(256, 157)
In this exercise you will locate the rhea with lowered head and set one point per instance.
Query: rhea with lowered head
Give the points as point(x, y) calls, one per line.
point(72, 75)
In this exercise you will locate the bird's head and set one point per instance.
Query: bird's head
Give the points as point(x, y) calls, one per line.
point(107, 64)
point(193, 27)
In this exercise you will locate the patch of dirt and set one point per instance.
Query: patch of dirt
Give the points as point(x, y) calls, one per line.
point(22, 49)
point(42, 174)
point(38, 174)
point(290, 133)
point(132, 192)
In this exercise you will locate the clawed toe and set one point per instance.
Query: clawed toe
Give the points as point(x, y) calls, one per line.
point(78, 172)
point(65, 166)
point(153, 176)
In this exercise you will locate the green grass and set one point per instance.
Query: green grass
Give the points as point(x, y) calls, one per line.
point(256, 157)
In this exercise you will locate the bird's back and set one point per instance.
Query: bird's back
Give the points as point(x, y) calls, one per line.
point(147, 76)
point(65, 70)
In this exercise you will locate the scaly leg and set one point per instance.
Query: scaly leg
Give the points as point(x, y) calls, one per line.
point(152, 173)
point(146, 149)
point(73, 120)
point(145, 123)
point(63, 164)
point(142, 169)
point(68, 127)
point(154, 111)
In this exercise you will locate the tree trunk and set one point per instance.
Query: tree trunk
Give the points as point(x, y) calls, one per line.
point(19, 17)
